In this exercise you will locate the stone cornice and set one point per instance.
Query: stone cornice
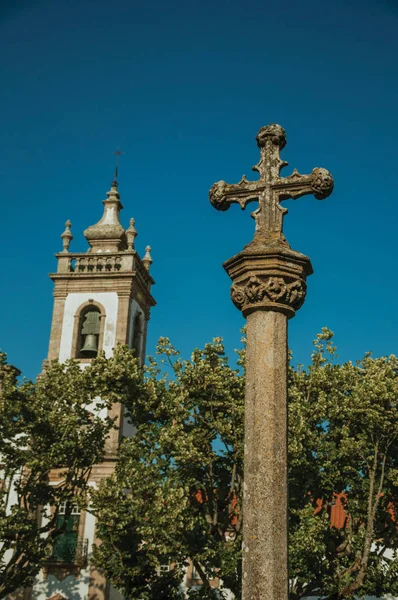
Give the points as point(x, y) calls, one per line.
point(124, 284)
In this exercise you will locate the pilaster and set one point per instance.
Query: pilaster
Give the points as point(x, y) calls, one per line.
point(123, 317)
point(56, 325)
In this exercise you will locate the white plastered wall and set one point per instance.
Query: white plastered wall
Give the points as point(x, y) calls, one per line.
point(10, 483)
point(109, 301)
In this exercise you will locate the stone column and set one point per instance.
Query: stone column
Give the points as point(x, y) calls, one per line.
point(268, 287)
point(265, 459)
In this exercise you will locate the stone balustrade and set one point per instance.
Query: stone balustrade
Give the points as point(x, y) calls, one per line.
point(86, 263)
point(90, 264)
point(96, 263)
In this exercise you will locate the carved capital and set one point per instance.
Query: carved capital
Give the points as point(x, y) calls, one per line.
point(266, 278)
point(281, 294)
point(275, 133)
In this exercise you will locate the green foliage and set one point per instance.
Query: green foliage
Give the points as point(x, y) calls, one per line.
point(343, 440)
point(175, 496)
point(176, 491)
point(51, 424)
point(178, 480)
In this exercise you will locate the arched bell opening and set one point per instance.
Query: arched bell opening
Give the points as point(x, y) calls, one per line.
point(88, 334)
point(88, 345)
point(138, 332)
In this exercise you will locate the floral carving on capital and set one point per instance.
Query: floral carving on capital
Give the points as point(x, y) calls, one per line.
point(273, 293)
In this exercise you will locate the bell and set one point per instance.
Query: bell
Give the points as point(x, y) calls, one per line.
point(90, 344)
point(91, 322)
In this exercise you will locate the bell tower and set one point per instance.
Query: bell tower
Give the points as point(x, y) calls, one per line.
point(102, 297)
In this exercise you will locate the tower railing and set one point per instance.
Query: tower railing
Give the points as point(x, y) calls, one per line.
point(84, 263)
point(96, 263)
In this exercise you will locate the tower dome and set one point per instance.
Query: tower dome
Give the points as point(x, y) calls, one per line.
point(108, 234)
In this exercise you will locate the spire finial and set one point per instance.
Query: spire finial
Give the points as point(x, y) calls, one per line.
point(67, 236)
point(118, 153)
point(147, 260)
point(131, 234)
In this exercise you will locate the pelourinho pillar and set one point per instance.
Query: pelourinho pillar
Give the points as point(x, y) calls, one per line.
point(269, 285)
point(265, 455)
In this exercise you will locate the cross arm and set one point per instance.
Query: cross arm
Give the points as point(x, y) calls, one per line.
point(319, 183)
point(223, 194)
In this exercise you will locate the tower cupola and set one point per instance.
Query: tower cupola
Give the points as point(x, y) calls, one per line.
point(108, 234)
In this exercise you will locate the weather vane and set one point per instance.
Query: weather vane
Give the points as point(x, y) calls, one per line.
point(118, 153)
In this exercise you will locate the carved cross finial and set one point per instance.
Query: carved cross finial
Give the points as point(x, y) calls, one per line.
point(270, 188)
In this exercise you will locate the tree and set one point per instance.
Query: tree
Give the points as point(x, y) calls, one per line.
point(176, 491)
point(344, 445)
point(51, 424)
point(178, 481)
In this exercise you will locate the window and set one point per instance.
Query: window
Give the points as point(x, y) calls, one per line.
point(195, 574)
point(62, 509)
point(164, 568)
point(137, 334)
point(65, 546)
point(89, 325)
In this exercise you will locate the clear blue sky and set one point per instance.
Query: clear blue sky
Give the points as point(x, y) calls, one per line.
point(182, 87)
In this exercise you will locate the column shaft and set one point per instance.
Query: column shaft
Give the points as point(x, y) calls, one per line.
point(265, 535)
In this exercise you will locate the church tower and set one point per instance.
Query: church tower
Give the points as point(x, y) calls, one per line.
point(102, 297)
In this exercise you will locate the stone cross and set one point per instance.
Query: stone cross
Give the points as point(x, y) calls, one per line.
point(270, 189)
point(269, 285)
